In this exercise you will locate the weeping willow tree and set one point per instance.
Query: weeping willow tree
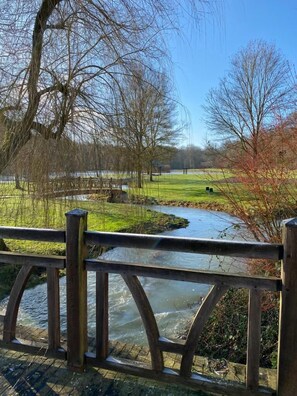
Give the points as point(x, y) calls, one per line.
point(61, 58)
point(61, 61)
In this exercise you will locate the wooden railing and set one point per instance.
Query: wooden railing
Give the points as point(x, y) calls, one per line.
point(75, 185)
point(78, 238)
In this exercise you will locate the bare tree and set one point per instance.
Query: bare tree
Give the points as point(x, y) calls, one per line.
point(145, 119)
point(166, 126)
point(60, 58)
point(257, 88)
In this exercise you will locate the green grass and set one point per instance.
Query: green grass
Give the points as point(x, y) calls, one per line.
point(18, 209)
point(25, 212)
point(187, 188)
point(21, 211)
point(8, 189)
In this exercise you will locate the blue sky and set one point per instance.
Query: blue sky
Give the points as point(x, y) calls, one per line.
point(201, 55)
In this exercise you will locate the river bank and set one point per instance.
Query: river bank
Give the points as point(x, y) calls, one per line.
point(207, 205)
point(215, 206)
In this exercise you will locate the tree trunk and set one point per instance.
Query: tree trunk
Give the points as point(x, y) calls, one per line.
point(18, 133)
point(151, 172)
point(17, 181)
point(139, 177)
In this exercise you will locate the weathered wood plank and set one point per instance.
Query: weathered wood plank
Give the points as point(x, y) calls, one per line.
point(254, 340)
point(186, 275)
point(15, 345)
point(53, 307)
point(101, 315)
point(287, 346)
point(198, 324)
point(32, 260)
point(171, 346)
point(148, 320)
point(190, 245)
point(76, 286)
point(196, 382)
point(33, 234)
point(10, 320)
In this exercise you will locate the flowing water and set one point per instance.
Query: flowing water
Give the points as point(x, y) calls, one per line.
point(173, 302)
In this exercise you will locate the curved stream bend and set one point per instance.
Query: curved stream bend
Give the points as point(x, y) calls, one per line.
point(174, 303)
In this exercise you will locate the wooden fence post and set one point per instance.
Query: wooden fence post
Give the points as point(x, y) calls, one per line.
point(76, 286)
point(101, 315)
point(53, 307)
point(287, 346)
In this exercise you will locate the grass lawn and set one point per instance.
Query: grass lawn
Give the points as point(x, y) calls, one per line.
point(187, 188)
point(18, 209)
point(22, 211)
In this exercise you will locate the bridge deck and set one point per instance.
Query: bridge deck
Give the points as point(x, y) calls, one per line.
point(21, 373)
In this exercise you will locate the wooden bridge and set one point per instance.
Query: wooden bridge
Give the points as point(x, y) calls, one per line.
point(77, 351)
point(110, 188)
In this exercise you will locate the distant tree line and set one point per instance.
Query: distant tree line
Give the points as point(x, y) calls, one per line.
point(65, 157)
point(194, 157)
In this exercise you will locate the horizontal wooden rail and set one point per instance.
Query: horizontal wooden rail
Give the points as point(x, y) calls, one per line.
point(187, 245)
point(167, 345)
point(73, 185)
point(197, 382)
point(33, 234)
point(77, 239)
point(186, 275)
point(32, 260)
point(16, 345)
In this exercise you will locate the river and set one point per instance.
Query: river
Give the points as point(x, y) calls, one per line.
point(174, 303)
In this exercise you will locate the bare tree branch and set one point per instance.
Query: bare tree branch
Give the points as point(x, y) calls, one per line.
point(256, 89)
point(61, 59)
